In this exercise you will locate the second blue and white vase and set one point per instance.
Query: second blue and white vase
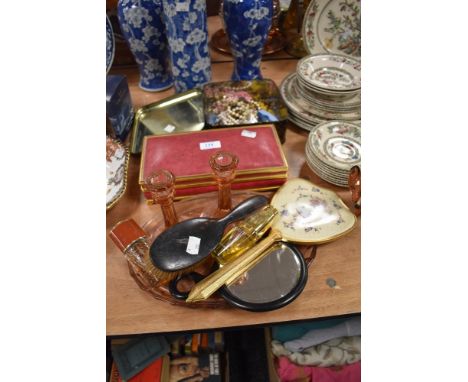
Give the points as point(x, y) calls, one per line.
point(143, 28)
point(247, 23)
point(187, 34)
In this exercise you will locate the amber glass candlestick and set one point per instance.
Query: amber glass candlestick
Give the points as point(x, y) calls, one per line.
point(161, 186)
point(224, 165)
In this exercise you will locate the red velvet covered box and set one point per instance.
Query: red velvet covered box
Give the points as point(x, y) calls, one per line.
point(262, 164)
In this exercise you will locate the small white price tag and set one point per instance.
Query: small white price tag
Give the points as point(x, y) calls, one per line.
point(249, 134)
point(193, 245)
point(210, 145)
point(182, 6)
point(169, 128)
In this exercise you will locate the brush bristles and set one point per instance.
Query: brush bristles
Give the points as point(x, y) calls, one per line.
point(164, 276)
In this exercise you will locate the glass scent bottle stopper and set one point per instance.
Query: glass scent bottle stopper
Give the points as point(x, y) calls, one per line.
point(224, 165)
point(131, 239)
point(244, 235)
point(161, 186)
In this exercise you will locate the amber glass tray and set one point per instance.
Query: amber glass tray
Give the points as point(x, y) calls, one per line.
point(200, 206)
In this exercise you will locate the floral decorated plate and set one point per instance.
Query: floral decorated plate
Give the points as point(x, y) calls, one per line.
point(117, 157)
point(300, 123)
point(311, 214)
point(333, 26)
point(334, 174)
point(352, 103)
point(340, 181)
point(295, 102)
point(312, 158)
point(110, 44)
point(330, 72)
point(327, 178)
point(337, 143)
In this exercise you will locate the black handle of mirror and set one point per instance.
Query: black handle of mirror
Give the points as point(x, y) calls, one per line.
point(173, 285)
point(245, 208)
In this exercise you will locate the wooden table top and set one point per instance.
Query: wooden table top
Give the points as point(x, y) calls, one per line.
point(130, 310)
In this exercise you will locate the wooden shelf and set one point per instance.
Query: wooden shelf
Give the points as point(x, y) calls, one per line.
point(131, 310)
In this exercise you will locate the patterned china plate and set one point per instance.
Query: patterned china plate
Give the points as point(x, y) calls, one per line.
point(327, 178)
point(330, 72)
point(341, 181)
point(117, 157)
point(337, 143)
point(342, 177)
point(350, 104)
point(304, 120)
point(110, 44)
point(311, 214)
point(323, 166)
point(333, 26)
point(303, 125)
point(305, 109)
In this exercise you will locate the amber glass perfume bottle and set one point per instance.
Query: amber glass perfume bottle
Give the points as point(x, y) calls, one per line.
point(131, 239)
point(224, 165)
point(244, 235)
point(161, 186)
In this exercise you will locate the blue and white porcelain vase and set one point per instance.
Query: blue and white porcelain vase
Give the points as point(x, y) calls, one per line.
point(187, 34)
point(247, 23)
point(143, 27)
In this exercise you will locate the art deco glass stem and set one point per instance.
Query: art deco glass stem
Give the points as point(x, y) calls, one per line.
point(224, 165)
point(161, 186)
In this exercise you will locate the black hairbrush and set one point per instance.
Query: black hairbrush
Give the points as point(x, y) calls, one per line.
point(171, 253)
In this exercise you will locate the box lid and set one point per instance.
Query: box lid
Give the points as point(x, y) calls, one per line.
point(187, 154)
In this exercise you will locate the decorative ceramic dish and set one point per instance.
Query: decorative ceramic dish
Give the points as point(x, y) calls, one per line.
point(320, 111)
point(117, 157)
point(333, 26)
point(110, 44)
point(312, 158)
point(310, 213)
point(353, 103)
point(302, 124)
point(305, 109)
point(337, 181)
point(330, 72)
point(337, 143)
point(318, 165)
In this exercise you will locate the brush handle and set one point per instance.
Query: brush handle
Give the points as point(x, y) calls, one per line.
point(243, 209)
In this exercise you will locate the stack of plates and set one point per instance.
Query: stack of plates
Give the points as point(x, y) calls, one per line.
point(332, 149)
point(325, 87)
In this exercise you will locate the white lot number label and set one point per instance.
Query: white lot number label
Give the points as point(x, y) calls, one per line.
point(169, 128)
point(210, 145)
point(249, 134)
point(193, 245)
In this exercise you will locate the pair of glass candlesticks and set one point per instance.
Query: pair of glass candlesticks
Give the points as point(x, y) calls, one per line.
point(161, 185)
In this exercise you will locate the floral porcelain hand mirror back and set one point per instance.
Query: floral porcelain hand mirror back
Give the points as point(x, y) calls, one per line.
point(311, 214)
